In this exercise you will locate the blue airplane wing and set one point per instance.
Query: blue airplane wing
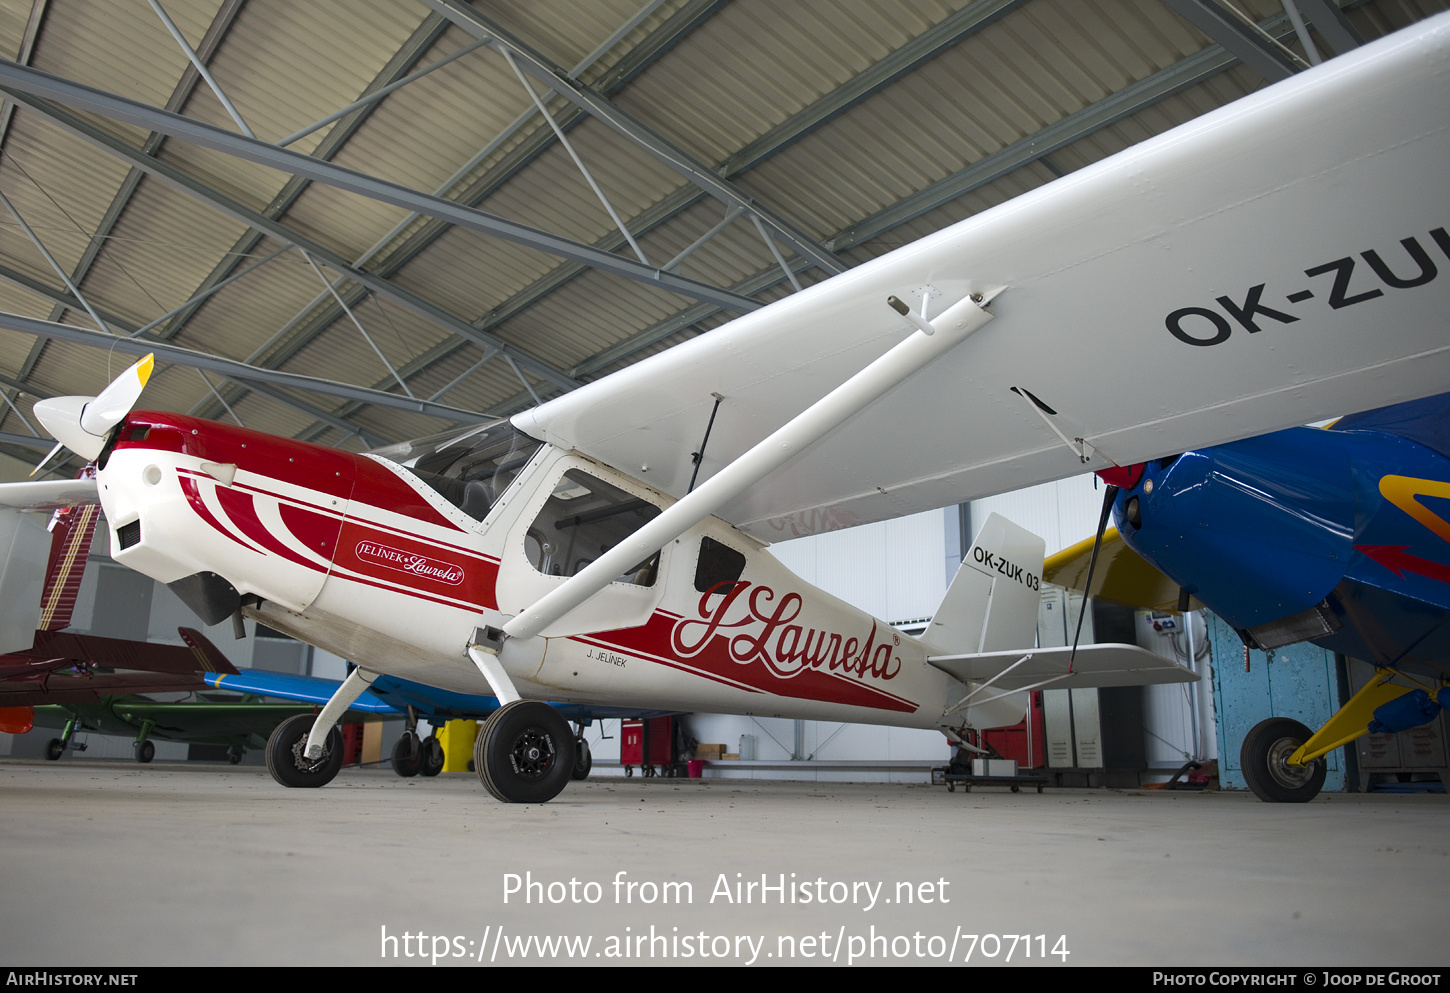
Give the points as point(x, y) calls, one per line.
point(283, 686)
point(393, 696)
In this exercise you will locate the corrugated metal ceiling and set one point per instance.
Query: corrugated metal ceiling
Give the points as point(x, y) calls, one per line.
point(862, 124)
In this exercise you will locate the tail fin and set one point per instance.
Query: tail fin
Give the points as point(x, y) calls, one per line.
point(208, 657)
point(71, 530)
point(992, 602)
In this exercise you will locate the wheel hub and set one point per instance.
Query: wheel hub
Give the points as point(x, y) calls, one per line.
point(1289, 776)
point(532, 754)
point(299, 755)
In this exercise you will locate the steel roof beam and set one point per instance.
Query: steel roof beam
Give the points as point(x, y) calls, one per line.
point(246, 215)
point(675, 28)
point(176, 355)
point(1236, 36)
point(881, 74)
point(1165, 83)
point(636, 131)
point(1326, 16)
point(418, 43)
point(30, 87)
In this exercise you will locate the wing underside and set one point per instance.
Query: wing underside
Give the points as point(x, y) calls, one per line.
point(1180, 294)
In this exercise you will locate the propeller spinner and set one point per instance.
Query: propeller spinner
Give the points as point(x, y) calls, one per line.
point(83, 423)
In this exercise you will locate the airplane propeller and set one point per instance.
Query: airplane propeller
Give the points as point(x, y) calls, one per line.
point(83, 423)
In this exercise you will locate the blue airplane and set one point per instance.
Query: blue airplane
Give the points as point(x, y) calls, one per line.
point(1339, 536)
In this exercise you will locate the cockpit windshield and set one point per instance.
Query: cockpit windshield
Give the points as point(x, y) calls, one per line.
point(469, 467)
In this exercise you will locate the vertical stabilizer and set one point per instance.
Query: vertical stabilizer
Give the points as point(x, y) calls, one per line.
point(992, 603)
point(71, 531)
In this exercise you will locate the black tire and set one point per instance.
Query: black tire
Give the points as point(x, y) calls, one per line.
point(145, 751)
point(234, 754)
point(285, 760)
point(433, 757)
point(583, 760)
point(55, 749)
point(525, 753)
point(1262, 759)
point(407, 755)
point(628, 771)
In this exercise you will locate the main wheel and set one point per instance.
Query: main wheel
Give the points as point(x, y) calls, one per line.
point(145, 751)
point(286, 758)
point(407, 755)
point(1263, 759)
point(433, 757)
point(525, 752)
point(583, 760)
point(54, 749)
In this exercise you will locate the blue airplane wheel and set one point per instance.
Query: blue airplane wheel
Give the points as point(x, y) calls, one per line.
point(407, 755)
point(1263, 759)
point(583, 760)
point(287, 762)
point(525, 752)
point(433, 758)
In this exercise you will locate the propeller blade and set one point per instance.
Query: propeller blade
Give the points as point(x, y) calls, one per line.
point(116, 400)
point(1110, 493)
point(41, 464)
point(82, 423)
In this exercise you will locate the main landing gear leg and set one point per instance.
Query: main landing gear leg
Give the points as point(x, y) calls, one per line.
point(525, 751)
point(307, 752)
point(352, 687)
point(1284, 763)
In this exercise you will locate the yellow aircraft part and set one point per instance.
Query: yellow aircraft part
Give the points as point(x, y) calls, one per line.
point(457, 739)
point(1351, 721)
point(1122, 575)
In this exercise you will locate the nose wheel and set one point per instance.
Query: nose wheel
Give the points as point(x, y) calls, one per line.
point(1264, 761)
point(286, 754)
point(525, 753)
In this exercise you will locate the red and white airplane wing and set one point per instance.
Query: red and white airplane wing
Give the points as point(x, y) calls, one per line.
point(1281, 260)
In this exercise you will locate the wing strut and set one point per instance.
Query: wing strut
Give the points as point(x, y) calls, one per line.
point(815, 422)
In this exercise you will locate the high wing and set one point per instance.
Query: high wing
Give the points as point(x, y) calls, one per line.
point(48, 494)
point(1248, 271)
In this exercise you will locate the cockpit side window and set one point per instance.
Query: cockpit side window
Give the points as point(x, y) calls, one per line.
point(718, 563)
point(584, 518)
point(470, 469)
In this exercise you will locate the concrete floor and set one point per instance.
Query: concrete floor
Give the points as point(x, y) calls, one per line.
point(112, 864)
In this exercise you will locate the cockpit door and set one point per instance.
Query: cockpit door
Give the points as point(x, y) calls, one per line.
point(579, 511)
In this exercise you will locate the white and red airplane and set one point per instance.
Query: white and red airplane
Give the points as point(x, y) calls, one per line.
point(1203, 286)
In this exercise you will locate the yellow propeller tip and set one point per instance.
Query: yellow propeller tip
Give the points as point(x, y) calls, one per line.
point(144, 367)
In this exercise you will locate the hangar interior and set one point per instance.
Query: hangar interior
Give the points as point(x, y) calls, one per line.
point(690, 160)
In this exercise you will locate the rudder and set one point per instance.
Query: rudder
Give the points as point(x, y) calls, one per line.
point(993, 600)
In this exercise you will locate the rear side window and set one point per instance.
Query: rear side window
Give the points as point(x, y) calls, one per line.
point(718, 564)
point(584, 518)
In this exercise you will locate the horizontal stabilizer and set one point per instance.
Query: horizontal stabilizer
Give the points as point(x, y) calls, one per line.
point(1096, 665)
point(120, 653)
point(304, 689)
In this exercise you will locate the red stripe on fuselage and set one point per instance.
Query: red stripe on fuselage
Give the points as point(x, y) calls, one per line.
point(653, 639)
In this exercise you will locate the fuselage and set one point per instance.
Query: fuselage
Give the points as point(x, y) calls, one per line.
point(393, 562)
point(1336, 536)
